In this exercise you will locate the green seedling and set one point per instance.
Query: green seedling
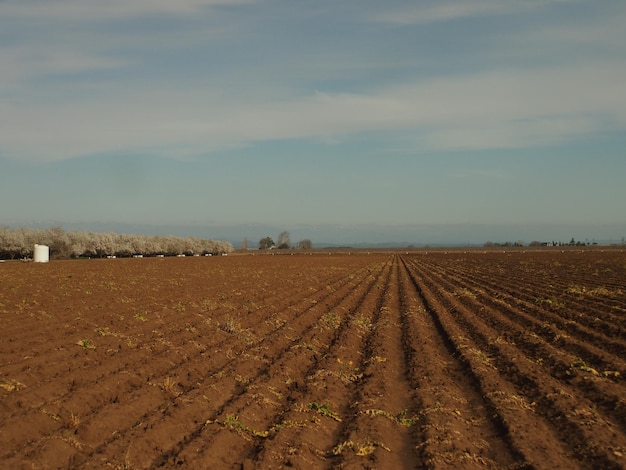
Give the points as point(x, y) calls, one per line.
point(362, 450)
point(325, 410)
point(234, 423)
point(86, 343)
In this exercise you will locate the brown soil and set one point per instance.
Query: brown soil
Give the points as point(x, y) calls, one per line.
point(384, 360)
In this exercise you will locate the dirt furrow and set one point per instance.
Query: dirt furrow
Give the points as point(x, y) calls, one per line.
point(577, 436)
point(565, 359)
point(573, 308)
point(164, 376)
point(377, 431)
point(592, 304)
point(302, 431)
point(456, 424)
point(429, 359)
point(509, 409)
point(599, 349)
point(242, 386)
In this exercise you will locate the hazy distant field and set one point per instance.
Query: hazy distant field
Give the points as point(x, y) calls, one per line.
point(388, 360)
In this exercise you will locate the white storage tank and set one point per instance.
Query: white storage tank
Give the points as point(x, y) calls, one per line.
point(42, 254)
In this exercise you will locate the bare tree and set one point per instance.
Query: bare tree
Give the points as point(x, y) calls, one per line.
point(284, 241)
point(305, 244)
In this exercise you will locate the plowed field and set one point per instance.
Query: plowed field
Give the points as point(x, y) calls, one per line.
point(384, 360)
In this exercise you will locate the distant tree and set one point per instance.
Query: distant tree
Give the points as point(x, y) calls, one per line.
point(284, 241)
point(244, 244)
point(305, 244)
point(266, 243)
point(12, 243)
point(58, 241)
point(78, 244)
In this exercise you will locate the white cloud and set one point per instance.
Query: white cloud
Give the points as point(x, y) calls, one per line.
point(506, 109)
point(73, 36)
point(445, 10)
point(26, 61)
point(98, 10)
point(524, 105)
point(604, 35)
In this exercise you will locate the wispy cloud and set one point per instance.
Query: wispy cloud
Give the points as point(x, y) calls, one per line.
point(512, 109)
point(446, 10)
point(49, 39)
point(598, 36)
point(75, 90)
point(24, 61)
point(98, 10)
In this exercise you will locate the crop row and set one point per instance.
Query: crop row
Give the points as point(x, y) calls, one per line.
point(438, 360)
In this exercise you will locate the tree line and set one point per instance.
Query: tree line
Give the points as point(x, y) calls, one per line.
point(535, 243)
point(284, 243)
point(20, 243)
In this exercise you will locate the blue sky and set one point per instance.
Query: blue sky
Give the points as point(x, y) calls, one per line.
point(363, 115)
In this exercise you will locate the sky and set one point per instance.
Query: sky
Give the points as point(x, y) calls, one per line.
point(384, 120)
